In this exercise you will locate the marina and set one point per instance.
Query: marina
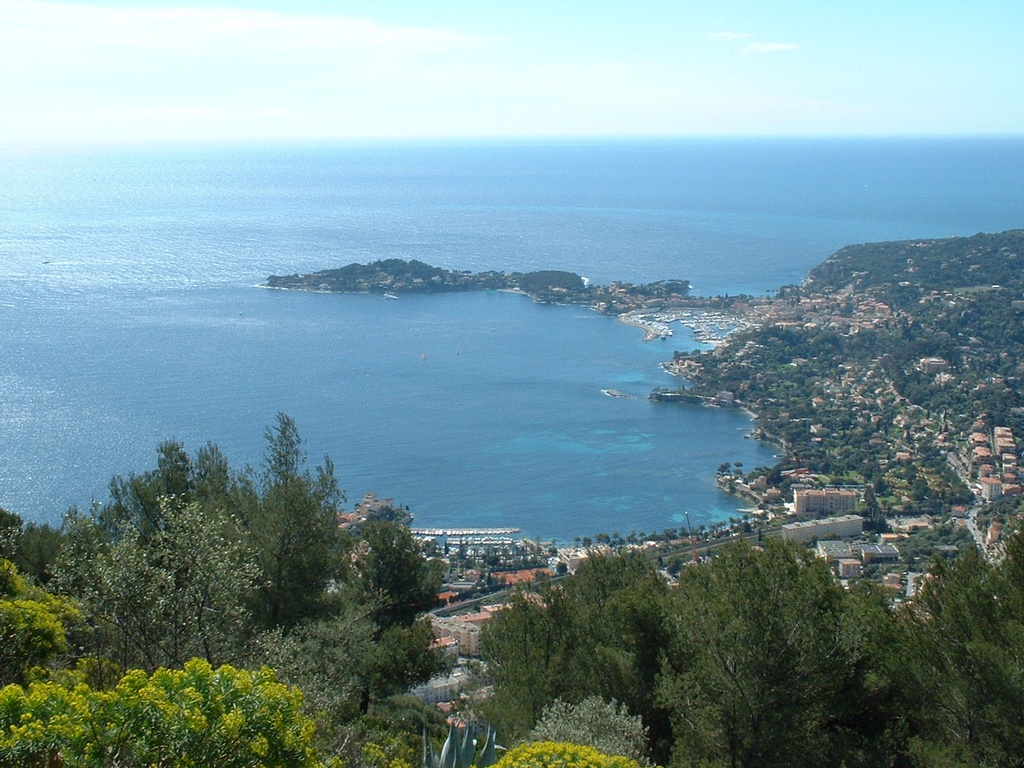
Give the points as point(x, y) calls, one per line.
point(707, 326)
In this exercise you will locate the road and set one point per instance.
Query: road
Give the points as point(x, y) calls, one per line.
point(972, 511)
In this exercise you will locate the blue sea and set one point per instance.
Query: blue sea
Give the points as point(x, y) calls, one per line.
point(130, 311)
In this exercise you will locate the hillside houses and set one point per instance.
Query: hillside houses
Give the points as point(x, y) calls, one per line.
point(992, 458)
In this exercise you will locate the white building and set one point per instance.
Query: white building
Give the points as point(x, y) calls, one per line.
point(824, 501)
point(441, 689)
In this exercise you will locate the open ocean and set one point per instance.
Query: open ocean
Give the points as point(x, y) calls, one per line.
point(129, 311)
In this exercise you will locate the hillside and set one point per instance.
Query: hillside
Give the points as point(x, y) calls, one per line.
point(878, 370)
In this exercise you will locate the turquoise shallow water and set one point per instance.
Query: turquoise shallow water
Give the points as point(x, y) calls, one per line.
point(128, 312)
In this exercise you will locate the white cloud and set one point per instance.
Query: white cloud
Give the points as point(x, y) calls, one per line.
point(762, 48)
point(750, 48)
point(728, 35)
point(150, 71)
point(111, 55)
point(55, 26)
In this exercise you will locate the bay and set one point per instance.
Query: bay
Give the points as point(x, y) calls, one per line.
point(129, 312)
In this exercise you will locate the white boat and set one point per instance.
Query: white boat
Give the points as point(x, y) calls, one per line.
point(390, 296)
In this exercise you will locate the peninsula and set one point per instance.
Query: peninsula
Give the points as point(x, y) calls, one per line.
point(397, 277)
point(651, 307)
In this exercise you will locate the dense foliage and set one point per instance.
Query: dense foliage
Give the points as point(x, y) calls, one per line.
point(600, 633)
point(33, 625)
point(925, 265)
point(139, 648)
point(768, 653)
point(758, 658)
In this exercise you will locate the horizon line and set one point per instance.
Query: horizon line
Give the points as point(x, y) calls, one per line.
point(495, 139)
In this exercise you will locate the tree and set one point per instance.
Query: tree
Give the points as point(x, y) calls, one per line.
point(524, 649)
point(614, 611)
point(141, 500)
point(284, 520)
point(966, 660)
point(402, 657)
point(761, 660)
point(165, 595)
point(294, 531)
point(327, 659)
point(399, 581)
point(599, 634)
point(605, 726)
point(399, 584)
point(10, 533)
point(37, 551)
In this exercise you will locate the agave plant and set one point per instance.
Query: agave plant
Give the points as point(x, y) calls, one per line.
point(460, 749)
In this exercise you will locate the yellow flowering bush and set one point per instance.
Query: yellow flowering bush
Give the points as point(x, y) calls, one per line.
point(384, 755)
point(36, 725)
point(32, 624)
point(553, 754)
point(196, 716)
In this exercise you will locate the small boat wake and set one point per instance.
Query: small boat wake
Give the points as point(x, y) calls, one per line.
point(617, 393)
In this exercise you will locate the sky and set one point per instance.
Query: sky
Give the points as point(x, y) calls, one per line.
point(159, 71)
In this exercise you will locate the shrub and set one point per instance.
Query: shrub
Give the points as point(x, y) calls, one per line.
point(551, 754)
point(189, 717)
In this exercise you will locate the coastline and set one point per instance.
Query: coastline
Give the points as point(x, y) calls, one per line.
point(734, 487)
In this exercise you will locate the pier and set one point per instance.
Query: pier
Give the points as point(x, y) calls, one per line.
point(464, 532)
point(483, 541)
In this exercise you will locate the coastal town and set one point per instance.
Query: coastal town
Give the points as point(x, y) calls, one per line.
point(866, 388)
